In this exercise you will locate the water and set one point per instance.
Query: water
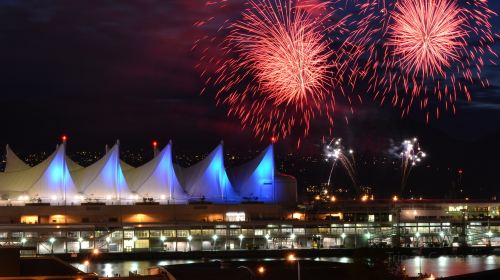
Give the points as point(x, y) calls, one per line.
point(441, 266)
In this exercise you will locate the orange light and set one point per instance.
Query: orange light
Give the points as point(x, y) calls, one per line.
point(95, 251)
point(273, 139)
point(364, 198)
point(86, 263)
point(155, 144)
point(395, 198)
point(291, 257)
point(261, 269)
point(317, 197)
point(333, 198)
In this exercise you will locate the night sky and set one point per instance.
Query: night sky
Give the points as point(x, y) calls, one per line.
point(106, 70)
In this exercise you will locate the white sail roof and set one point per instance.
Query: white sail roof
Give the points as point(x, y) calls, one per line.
point(255, 179)
point(208, 179)
point(13, 162)
point(157, 178)
point(72, 165)
point(48, 180)
point(103, 179)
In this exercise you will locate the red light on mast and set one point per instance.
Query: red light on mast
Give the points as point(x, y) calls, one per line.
point(273, 139)
point(64, 138)
point(155, 144)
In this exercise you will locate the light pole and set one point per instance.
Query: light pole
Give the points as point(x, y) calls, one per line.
point(343, 236)
point(368, 236)
point(189, 241)
point(134, 239)
point(489, 234)
point(241, 236)
point(80, 240)
point(417, 235)
point(23, 241)
point(86, 264)
point(292, 237)
point(267, 240)
point(441, 234)
point(214, 237)
point(292, 258)
point(52, 240)
point(162, 239)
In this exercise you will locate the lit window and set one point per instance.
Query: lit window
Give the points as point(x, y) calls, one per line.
point(235, 216)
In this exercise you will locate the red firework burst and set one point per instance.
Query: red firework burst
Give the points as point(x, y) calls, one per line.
point(423, 52)
point(276, 68)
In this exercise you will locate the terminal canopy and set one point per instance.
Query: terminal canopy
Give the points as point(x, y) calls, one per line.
point(208, 179)
point(157, 179)
point(254, 181)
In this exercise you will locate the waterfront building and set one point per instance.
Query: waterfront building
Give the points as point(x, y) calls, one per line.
point(60, 207)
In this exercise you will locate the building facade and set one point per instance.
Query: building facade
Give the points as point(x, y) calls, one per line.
point(205, 226)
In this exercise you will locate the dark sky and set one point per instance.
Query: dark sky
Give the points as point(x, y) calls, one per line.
point(102, 70)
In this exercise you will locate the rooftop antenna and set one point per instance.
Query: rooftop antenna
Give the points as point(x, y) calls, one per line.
point(155, 148)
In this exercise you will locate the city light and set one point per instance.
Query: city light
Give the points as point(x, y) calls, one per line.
point(368, 235)
point(417, 235)
point(214, 237)
point(95, 251)
point(261, 269)
point(441, 234)
point(333, 198)
point(108, 239)
point(395, 198)
point(292, 236)
point(52, 240)
point(291, 257)
point(163, 238)
point(80, 239)
point(23, 240)
point(189, 238)
point(489, 234)
point(134, 238)
point(364, 198)
point(343, 235)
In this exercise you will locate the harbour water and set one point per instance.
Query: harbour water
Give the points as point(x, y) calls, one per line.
point(439, 266)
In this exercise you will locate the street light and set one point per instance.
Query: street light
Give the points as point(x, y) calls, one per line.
point(241, 236)
point(52, 240)
point(134, 239)
point(267, 240)
point(86, 264)
point(80, 240)
point(261, 269)
point(163, 238)
point(343, 236)
point(108, 239)
point(292, 237)
point(292, 258)
point(417, 235)
point(214, 237)
point(189, 241)
point(23, 241)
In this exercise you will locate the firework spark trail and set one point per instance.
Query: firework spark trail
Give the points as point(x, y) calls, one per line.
point(411, 154)
point(335, 152)
point(421, 53)
point(277, 70)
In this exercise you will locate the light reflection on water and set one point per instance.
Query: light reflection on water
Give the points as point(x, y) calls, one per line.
point(441, 266)
point(451, 265)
